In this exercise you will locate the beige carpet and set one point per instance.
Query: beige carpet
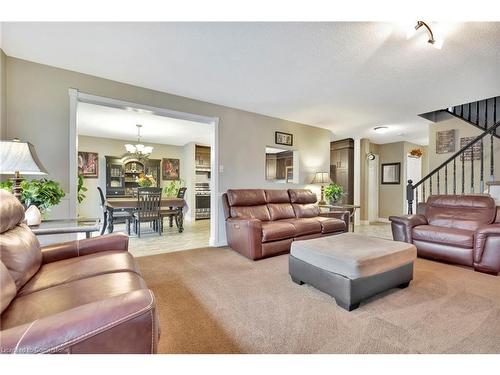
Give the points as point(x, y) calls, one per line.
point(215, 301)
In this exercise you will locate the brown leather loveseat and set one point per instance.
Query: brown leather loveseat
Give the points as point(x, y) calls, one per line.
point(461, 229)
point(76, 297)
point(261, 223)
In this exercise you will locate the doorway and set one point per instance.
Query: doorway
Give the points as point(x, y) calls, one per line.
point(79, 100)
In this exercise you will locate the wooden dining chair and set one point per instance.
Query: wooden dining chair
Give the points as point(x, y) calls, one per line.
point(171, 212)
point(118, 216)
point(148, 209)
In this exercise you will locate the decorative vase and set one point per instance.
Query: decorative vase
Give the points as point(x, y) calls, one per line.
point(33, 215)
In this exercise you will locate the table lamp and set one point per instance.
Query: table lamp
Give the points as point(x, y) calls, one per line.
point(19, 157)
point(322, 178)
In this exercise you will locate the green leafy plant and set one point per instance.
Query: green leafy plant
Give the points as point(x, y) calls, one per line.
point(170, 189)
point(6, 185)
point(81, 189)
point(333, 192)
point(42, 193)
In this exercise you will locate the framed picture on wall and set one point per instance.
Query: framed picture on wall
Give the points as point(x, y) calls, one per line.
point(88, 164)
point(473, 152)
point(170, 169)
point(391, 174)
point(283, 138)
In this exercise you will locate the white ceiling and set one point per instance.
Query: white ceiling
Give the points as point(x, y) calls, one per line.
point(345, 76)
point(105, 122)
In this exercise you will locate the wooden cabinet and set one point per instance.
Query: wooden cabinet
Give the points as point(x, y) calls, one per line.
point(121, 174)
point(283, 160)
point(202, 157)
point(342, 166)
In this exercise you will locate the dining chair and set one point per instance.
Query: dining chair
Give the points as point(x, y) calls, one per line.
point(121, 216)
point(171, 212)
point(148, 209)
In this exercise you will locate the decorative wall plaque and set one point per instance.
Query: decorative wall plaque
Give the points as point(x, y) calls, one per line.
point(476, 149)
point(445, 141)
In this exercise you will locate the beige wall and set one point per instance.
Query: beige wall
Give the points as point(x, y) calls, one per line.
point(3, 96)
point(38, 111)
point(463, 130)
point(89, 208)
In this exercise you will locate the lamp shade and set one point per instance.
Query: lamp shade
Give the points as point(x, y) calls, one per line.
point(321, 178)
point(19, 157)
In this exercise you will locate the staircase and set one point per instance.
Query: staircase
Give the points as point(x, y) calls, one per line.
point(458, 174)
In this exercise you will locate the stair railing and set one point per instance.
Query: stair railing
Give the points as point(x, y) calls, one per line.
point(411, 188)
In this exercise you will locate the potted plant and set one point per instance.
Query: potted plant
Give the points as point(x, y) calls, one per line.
point(38, 196)
point(145, 180)
point(333, 193)
point(170, 190)
point(81, 189)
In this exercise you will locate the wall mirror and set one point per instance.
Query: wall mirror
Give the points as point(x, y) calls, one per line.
point(282, 165)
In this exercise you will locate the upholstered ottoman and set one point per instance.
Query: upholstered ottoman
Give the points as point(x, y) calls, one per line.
point(352, 267)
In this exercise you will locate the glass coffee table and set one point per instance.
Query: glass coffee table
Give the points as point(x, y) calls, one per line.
point(65, 230)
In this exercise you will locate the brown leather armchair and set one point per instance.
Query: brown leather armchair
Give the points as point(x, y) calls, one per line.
point(461, 229)
point(83, 296)
point(262, 223)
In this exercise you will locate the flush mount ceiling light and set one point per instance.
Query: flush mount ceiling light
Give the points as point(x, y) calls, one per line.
point(139, 151)
point(381, 129)
point(436, 43)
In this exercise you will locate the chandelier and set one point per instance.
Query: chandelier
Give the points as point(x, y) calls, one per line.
point(139, 151)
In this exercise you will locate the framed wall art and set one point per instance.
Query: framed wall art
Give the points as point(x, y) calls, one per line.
point(170, 169)
point(391, 174)
point(475, 149)
point(283, 138)
point(88, 164)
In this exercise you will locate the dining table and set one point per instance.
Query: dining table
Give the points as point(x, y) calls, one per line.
point(131, 203)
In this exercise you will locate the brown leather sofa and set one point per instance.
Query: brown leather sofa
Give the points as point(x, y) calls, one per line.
point(261, 223)
point(460, 229)
point(76, 297)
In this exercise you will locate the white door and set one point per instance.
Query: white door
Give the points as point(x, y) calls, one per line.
point(413, 170)
point(373, 189)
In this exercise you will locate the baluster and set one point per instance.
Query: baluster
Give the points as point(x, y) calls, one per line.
point(477, 113)
point(463, 173)
point(455, 176)
point(416, 200)
point(492, 158)
point(481, 176)
point(486, 114)
point(468, 112)
point(430, 186)
point(438, 191)
point(472, 169)
point(462, 110)
point(423, 192)
point(446, 179)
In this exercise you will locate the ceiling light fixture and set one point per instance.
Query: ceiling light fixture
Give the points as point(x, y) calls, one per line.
point(381, 129)
point(436, 43)
point(139, 151)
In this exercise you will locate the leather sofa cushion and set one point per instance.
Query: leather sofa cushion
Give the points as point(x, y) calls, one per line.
point(7, 287)
point(444, 252)
point(11, 211)
point(64, 271)
point(449, 236)
point(279, 211)
point(331, 224)
point(25, 309)
point(251, 212)
point(246, 197)
point(302, 196)
point(304, 226)
point(305, 210)
point(467, 212)
point(277, 196)
point(277, 230)
point(20, 253)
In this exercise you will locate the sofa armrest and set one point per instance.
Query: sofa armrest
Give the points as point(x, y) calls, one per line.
point(487, 248)
point(403, 225)
point(245, 236)
point(65, 250)
point(342, 215)
point(123, 324)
